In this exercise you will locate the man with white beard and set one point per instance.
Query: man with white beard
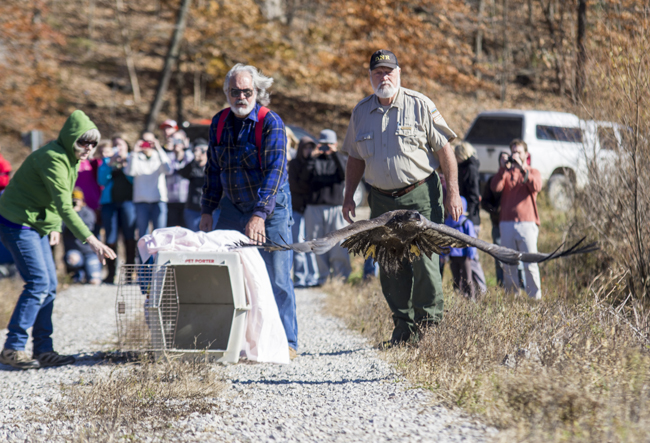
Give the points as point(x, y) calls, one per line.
point(246, 177)
point(398, 139)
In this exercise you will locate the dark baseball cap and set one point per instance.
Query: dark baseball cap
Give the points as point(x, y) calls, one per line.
point(383, 57)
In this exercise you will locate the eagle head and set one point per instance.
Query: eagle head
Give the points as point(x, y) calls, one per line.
point(403, 217)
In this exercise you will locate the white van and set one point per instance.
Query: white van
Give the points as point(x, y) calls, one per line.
point(559, 143)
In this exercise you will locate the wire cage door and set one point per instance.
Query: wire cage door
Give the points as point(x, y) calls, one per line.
point(146, 307)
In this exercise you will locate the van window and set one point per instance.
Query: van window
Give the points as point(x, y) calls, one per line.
point(559, 133)
point(495, 130)
point(607, 138)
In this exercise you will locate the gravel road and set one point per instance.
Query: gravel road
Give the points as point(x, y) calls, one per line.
point(338, 389)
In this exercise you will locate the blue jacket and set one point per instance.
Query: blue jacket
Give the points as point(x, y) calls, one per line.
point(465, 226)
point(105, 179)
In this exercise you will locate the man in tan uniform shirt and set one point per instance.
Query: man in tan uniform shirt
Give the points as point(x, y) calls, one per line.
point(398, 138)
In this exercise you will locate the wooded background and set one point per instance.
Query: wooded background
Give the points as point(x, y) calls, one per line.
point(107, 57)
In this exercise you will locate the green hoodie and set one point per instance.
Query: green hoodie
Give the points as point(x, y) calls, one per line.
point(40, 193)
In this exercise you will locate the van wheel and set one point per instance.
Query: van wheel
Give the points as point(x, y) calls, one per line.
point(561, 192)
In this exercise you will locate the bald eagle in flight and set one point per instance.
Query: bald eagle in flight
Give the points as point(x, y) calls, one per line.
point(406, 235)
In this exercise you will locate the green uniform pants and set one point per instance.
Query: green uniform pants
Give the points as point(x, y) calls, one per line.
point(414, 294)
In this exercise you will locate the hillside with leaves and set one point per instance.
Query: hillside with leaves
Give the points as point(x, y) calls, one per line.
point(105, 56)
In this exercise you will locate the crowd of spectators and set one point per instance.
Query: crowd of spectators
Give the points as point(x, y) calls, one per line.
point(122, 191)
point(126, 190)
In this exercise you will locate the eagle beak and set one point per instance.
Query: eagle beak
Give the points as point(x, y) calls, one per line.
point(370, 252)
point(415, 250)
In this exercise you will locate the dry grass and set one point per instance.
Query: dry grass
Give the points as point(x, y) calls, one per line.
point(139, 399)
point(572, 367)
point(10, 289)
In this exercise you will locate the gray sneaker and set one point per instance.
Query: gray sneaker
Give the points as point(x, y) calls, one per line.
point(53, 358)
point(18, 359)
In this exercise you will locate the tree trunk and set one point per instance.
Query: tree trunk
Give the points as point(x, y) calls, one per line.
point(180, 82)
point(91, 18)
point(128, 54)
point(478, 49)
point(582, 53)
point(197, 89)
point(556, 40)
point(170, 61)
point(504, 76)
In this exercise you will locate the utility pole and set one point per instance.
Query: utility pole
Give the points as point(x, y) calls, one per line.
point(170, 62)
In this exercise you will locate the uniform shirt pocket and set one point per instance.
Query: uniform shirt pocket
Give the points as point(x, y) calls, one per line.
point(366, 144)
point(411, 137)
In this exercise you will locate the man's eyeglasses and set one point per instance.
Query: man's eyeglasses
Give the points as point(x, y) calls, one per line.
point(234, 92)
point(92, 144)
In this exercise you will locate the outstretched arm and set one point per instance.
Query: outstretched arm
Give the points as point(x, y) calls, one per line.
point(453, 204)
point(353, 173)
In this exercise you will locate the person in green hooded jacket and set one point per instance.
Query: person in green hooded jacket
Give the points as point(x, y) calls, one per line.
point(36, 201)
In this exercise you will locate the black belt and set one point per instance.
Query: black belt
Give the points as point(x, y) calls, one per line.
point(403, 191)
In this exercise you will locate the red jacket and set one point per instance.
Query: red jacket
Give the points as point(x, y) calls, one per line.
point(519, 196)
point(5, 169)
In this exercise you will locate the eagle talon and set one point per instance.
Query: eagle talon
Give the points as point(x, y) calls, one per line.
point(370, 252)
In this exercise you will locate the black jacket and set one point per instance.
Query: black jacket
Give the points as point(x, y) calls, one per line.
point(468, 183)
point(491, 202)
point(299, 184)
point(326, 176)
point(196, 175)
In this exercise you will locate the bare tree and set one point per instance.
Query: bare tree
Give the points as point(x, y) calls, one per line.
point(506, 48)
point(555, 29)
point(582, 53)
point(170, 61)
point(478, 48)
point(128, 53)
point(180, 84)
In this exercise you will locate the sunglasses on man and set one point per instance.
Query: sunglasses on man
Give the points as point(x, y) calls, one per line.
point(234, 92)
point(92, 144)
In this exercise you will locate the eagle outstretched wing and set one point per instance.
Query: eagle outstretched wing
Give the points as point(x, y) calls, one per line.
point(405, 235)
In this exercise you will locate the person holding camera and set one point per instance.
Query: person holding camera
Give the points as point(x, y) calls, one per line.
point(178, 186)
point(323, 214)
point(148, 164)
point(118, 210)
point(519, 222)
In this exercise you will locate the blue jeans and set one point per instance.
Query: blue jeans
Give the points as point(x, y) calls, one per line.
point(86, 267)
point(116, 216)
point(278, 263)
point(154, 212)
point(193, 218)
point(305, 268)
point(33, 257)
point(370, 268)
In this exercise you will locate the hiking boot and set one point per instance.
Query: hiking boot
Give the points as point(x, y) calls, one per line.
point(18, 359)
point(292, 353)
point(53, 358)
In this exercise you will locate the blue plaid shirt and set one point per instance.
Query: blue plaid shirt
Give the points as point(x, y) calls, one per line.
point(234, 168)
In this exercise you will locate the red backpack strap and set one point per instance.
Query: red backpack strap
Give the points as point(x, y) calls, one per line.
point(259, 129)
point(221, 123)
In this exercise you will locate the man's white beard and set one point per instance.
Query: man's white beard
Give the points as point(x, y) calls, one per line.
point(386, 90)
point(242, 112)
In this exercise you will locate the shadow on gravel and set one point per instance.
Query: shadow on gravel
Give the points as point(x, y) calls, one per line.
point(319, 354)
point(357, 381)
point(85, 359)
